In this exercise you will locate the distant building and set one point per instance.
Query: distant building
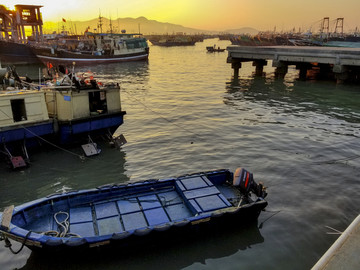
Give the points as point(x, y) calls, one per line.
point(14, 23)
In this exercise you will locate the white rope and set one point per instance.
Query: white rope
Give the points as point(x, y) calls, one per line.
point(64, 227)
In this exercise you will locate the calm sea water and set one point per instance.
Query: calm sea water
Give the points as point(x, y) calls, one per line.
point(186, 113)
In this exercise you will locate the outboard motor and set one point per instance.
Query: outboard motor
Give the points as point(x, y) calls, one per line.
point(245, 181)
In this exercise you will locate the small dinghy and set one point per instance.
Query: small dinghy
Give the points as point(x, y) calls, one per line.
point(214, 49)
point(117, 213)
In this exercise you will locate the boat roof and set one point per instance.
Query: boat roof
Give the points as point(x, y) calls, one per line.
point(113, 34)
point(18, 92)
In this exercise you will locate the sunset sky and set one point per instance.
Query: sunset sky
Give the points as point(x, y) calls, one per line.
point(207, 14)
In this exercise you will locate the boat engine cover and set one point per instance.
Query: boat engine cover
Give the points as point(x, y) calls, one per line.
point(243, 179)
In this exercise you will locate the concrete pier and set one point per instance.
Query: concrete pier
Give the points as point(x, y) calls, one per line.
point(344, 253)
point(342, 64)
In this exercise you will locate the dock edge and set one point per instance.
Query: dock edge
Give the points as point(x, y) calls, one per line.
point(329, 255)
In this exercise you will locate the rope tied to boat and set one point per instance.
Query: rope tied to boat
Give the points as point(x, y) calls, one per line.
point(9, 245)
point(2, 237)
point(64, 227)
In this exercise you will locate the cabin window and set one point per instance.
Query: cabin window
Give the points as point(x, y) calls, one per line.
point(97, 102)
point(130, 45)
point(18, 110)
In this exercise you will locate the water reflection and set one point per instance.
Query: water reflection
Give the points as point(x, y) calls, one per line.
point(134, 69)
point(54, 170)
point(175, 252)
point(341, 102)
point(285, 131)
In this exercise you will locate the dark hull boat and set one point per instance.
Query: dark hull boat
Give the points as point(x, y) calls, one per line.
point(173, 43)
point(173, 40)
point(213, 49)
point(16, 53)
point(14, 39)
point(68, 57)
point(94, 49)
point(119, 214)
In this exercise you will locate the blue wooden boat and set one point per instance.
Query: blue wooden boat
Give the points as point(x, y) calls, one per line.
point(115, 213)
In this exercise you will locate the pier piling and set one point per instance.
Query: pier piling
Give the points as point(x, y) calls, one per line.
point(281, 68)
point(341, 64)
point(259, 66)
point(236, 65)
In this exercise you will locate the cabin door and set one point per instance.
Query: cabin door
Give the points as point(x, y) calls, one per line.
point(97, 102)
point(18, 110)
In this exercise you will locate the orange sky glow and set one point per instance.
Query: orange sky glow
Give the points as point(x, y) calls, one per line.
point(215, 15)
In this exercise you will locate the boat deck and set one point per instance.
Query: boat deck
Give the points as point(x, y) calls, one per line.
point(154, 206)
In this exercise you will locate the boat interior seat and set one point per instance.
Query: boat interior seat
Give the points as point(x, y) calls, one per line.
point(201, 194)
point(81, 221)
point(128, 214)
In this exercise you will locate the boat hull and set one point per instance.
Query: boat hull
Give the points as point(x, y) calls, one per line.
point(70, 130)
point(212, 49)
point(67, 57)
point(12, 53)
point(173, 43)
point(130, 214)
point(26, 131)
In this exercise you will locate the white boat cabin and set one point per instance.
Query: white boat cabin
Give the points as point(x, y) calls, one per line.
point(68, 105)
point(20, 107)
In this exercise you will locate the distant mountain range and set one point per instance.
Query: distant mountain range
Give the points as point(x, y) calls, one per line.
point(131, 25)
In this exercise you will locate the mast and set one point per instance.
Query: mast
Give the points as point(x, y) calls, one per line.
point(100, 22)
point(111, 30)
point(117, 14)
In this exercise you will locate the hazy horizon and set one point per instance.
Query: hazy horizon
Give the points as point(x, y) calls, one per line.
point(210, 15)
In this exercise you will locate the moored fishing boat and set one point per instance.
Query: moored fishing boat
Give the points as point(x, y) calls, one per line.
point(66, 108)
point(81, 105)
point(173, 40)
point(94, 49)
point(17, 53)
point(117, 214)
point(23, 118)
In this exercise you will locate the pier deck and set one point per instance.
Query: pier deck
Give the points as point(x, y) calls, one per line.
point(343, 63)
point(344, 253)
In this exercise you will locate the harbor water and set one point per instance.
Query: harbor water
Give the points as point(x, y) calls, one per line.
point(186, 113)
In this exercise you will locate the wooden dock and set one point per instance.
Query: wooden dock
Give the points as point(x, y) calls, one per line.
point(342, 64)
